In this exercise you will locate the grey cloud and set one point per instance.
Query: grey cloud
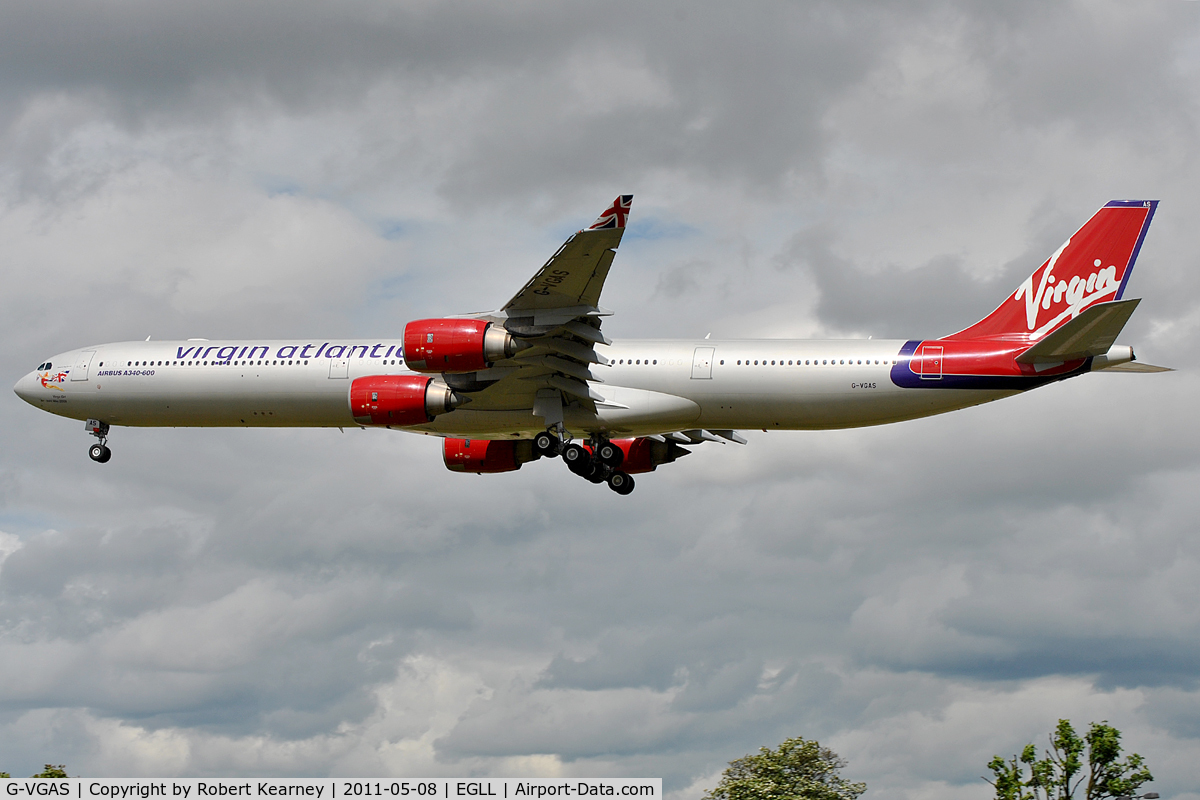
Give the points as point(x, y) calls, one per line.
point(921, 596)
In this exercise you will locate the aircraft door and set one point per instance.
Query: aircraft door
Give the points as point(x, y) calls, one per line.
point(931, 362)
point(83, 364)
point(339, 368)
point(702, 362)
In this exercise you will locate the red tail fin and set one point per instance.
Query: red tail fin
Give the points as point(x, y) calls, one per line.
point(1092, 266)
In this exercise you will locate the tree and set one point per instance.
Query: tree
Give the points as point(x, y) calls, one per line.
point(49, 771)
point(1060, 772)
point(798, 770)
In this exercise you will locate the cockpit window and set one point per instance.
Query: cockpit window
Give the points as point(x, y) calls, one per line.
point(44, 366)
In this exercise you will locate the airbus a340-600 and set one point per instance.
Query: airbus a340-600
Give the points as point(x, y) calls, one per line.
point(539, 378)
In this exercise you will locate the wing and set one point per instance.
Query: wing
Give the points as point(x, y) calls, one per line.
point(556, 317)
point(569, 284)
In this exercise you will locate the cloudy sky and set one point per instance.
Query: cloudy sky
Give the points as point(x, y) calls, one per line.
point(920, 597)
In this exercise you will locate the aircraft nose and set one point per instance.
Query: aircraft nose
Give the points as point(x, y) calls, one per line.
point(25, 387)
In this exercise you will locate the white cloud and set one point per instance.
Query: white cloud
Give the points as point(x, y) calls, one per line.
point(920, 597)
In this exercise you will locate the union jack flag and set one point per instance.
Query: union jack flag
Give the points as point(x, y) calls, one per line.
point(614, 216)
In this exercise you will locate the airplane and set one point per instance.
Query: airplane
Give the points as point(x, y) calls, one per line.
point(538, 378)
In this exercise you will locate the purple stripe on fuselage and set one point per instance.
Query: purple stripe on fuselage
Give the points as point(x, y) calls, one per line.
point(903, 376)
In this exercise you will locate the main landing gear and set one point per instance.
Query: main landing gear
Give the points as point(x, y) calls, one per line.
point(599, 462)
point(99, 452)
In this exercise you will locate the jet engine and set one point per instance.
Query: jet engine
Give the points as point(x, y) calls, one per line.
point(455, 345)
point(399, 399)
point(644, 455)
point(484, 455)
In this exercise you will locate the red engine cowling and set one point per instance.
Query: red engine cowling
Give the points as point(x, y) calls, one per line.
point(644, 455)
point(398, 400)
point(455, 345)
point(484, 455)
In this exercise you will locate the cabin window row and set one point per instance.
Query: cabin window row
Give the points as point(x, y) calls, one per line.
point(773, 362)
point(811, 362)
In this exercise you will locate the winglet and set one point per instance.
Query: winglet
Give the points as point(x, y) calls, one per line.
point(614, 216)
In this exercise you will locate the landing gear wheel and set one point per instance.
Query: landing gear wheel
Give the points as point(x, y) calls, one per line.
point(578, 460)
point(547, 444)
point(610, 454)
point(99, 453)
point(620, 482)
point(597, 472)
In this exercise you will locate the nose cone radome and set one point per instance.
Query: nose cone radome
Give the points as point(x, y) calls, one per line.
point(26, 388)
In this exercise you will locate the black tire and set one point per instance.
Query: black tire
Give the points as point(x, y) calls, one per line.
point(107, 455)
point(578, 460)
point(97, 453)
point(610, 454)
point(546, 444)
point(597, 472)
point(620, 482)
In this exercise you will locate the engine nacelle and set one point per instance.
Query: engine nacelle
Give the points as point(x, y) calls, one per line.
point(644, 455)
point(485, 455)
point(399, 399)
point(455, 345)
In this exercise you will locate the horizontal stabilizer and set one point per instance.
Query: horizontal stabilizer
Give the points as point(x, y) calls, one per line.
point(1090, 334)
point(1137, 366)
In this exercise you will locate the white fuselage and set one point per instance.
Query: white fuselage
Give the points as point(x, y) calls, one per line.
point(649, 386)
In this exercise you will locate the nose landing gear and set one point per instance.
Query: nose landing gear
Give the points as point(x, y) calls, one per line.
point(99, 452)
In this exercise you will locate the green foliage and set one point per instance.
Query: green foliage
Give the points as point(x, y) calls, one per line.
point(798, 770)
point(1060, 772)
point(53, 771)
point(5, 775)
